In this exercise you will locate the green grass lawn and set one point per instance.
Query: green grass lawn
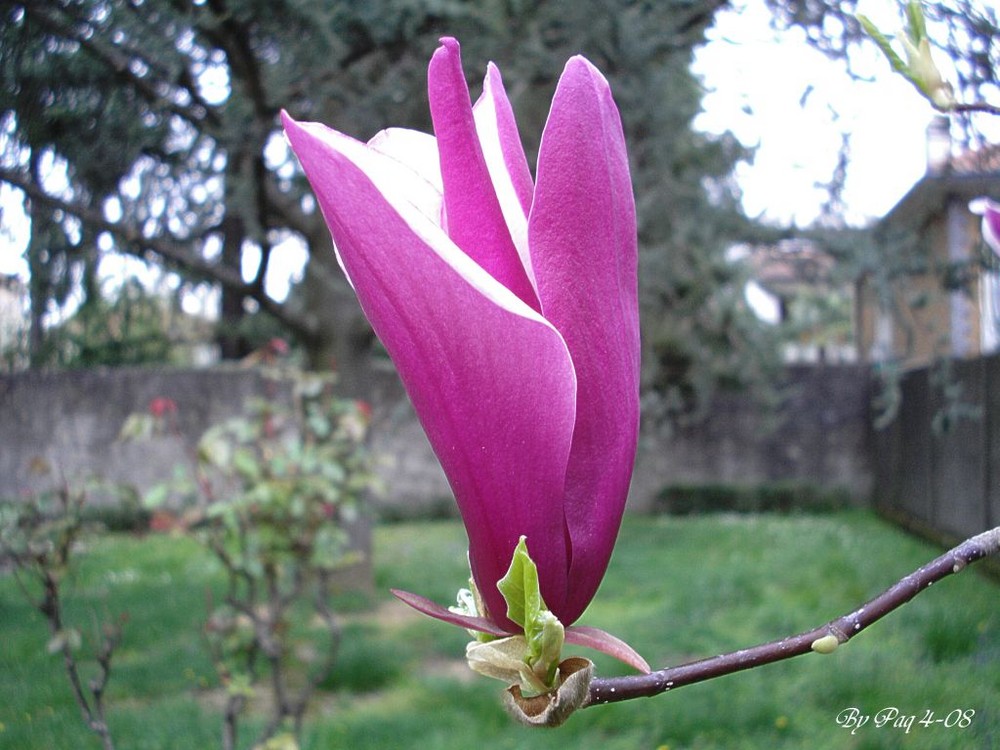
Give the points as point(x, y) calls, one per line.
point(677, 589)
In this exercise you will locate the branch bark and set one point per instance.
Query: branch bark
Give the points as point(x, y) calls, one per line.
point(984, 107)
point(822, 639)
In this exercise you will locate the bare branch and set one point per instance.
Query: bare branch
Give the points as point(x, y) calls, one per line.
point(822, 639)
point(168, 250)
point(120, 64)
point(989, 109)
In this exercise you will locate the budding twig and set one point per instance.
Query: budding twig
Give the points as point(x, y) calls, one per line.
point(822, 639)
point(990, 109)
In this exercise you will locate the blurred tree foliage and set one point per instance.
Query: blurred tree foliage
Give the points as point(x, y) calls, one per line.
point(150, 128)
point(131, 327)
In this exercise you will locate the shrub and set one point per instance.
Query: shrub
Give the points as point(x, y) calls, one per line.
point(772, 497)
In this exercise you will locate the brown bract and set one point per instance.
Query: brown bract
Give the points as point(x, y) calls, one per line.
point(552, 709)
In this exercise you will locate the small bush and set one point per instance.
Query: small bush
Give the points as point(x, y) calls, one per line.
point(772, 497)
point(124, 518)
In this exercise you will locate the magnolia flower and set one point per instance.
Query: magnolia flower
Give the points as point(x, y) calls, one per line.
point(509, 308)
point(990, 211)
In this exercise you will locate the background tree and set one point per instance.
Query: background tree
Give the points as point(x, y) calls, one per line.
point(150, 129)
point(164, 119)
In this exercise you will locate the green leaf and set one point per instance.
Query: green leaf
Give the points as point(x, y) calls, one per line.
point(240, 685)
point(883, 43)
point(545, 647)
point(520, 589)
point(285, 741)
point(65, 639)
point(915, 18)
point(157, 496)
point(543, 633)
point(245, 463)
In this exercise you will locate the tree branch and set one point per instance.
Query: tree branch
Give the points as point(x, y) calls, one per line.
point(167, 249)
point(119, 63)
point(989, 109)
point(234, 36)
point(823, 639)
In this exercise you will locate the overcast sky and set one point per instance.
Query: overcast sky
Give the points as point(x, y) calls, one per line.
point(776, 93)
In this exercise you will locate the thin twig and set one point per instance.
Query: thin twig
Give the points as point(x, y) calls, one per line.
point(93, 713)
point(230, 723)
point(823, 639)
point(985, 107)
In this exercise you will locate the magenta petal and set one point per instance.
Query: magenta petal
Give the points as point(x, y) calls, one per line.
point(990, 211)
point(495, 115)
point(432, 609)
point(508, 166)
point(600, 640)
point(582, 235)
point(991, 226)
point(593, 638)
point(490, 380)
point(474, 217)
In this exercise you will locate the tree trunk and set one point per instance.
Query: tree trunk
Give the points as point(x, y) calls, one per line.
point(38, 294)
point(232, 343)
point(345, 339)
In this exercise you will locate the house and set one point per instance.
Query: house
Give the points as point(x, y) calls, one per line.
point(932, 290)
point(796, 284)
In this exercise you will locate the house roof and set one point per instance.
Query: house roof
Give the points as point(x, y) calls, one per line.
point(982, 161)
point(789, 264)
point(966, 176)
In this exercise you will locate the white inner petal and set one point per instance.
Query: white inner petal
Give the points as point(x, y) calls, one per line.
point(485, 115)
point(407, 193)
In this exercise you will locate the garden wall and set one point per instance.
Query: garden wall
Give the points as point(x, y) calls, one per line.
point(937, 464)
point(71, 420)
point(65, 427)
point(816, 434)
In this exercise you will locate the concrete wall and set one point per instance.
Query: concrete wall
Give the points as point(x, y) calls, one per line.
point(72, 421)
point(818, 433)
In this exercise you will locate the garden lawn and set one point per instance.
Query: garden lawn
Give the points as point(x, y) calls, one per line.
point(677, 589)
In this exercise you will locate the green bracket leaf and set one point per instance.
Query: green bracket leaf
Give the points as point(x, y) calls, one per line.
point(543, 633)
point(520, 588)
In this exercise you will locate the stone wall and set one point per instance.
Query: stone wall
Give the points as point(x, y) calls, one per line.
point(71, 421)
point(819, 434)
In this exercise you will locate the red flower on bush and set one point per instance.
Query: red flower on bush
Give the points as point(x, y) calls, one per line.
point(161, 406)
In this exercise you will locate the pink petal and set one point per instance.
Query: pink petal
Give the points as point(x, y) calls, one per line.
point(490, 379)
point(474, 218)
point(582, 235)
